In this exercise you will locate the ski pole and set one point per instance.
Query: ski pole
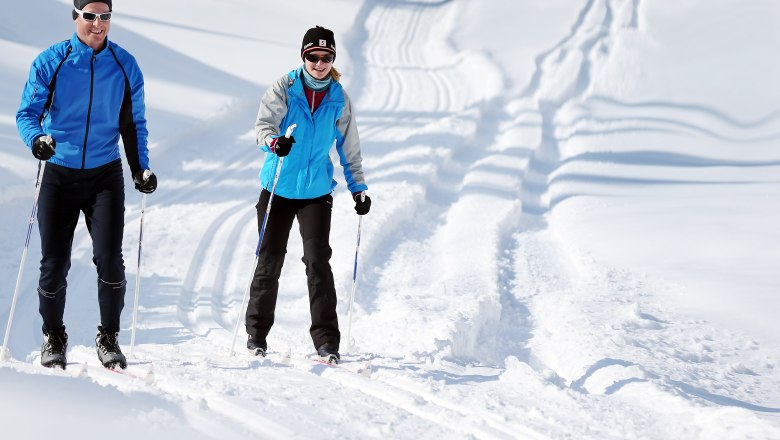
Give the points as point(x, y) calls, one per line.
point(259, 242)
point(354, 276)
point(41, 167)
point(146, 175)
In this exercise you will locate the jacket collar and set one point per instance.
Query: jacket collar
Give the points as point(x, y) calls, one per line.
point(80, 48)
point(296, 89)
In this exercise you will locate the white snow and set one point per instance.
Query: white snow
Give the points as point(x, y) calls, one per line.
point(574, 230)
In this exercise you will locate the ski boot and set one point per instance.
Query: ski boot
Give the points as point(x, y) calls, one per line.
point(328, 354)
point(108, 350)
point(255, 348)
point(55, 344)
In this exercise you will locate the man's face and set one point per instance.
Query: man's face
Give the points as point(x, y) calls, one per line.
point(93, 33)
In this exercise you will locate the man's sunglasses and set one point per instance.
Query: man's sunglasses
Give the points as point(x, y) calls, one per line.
point(91, 16)
point(310, 57)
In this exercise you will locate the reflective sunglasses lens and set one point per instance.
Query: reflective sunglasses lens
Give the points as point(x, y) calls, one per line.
point(327, 59)
point(91, 16)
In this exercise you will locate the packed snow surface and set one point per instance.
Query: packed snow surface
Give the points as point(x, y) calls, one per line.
point(574, 230)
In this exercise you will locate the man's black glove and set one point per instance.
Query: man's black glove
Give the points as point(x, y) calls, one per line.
point(362, 202)
point(283, 145)
point(145, 181)
point(43, 147)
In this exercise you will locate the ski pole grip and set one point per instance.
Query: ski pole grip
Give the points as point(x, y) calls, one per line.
point(146, 174)
point(289, 131)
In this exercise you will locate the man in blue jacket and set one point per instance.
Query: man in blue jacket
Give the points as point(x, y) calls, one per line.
point(81, 96)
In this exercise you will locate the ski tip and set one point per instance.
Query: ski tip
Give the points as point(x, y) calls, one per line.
point(83, 372)
point(149, 378)
point(367, 370)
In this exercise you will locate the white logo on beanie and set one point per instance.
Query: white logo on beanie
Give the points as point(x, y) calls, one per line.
point(323, 43)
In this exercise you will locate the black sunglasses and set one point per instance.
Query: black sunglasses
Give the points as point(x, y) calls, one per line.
point(310, 57)
point(91, 16)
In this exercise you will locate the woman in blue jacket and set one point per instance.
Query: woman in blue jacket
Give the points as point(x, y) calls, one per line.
point(311, 98)
point(81, 96)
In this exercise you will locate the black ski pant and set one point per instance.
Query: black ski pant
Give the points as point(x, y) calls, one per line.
point(100, 194)
point(314, 216)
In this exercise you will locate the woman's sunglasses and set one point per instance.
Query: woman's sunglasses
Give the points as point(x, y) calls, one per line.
point(310, 57)
point(91, 16)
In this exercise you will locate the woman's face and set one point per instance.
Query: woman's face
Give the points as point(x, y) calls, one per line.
point(318, 63)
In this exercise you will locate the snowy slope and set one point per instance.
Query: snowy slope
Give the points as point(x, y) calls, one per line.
point(573, 232)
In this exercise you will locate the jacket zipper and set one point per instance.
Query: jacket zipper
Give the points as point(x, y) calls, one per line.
point(89, 109)
point(314, 126)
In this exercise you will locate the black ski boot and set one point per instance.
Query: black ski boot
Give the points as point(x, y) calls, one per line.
point(55, 344)
point(108, 350)
point(255, 347)
point(328, 354)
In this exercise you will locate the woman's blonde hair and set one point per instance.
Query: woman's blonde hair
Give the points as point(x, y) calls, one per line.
point(335, 74)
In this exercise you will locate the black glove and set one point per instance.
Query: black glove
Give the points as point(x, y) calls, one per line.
point(146, 186)
point(43, 147)
point(362, 206)
point(283, 145)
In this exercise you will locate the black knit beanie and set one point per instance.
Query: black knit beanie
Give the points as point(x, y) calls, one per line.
point(79, 4)
point(318, 38)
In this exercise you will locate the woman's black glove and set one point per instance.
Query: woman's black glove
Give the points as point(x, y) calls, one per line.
point(362, 202)
point(283, 145)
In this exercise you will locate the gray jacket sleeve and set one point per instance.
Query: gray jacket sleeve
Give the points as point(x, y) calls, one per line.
point(273, 108)
point(348, 148)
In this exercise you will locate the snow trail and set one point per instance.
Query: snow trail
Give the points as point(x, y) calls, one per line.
point(554, 282)
point(479, 312)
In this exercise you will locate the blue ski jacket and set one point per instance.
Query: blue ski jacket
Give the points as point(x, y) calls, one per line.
point(307, 172)
point(85, 101)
